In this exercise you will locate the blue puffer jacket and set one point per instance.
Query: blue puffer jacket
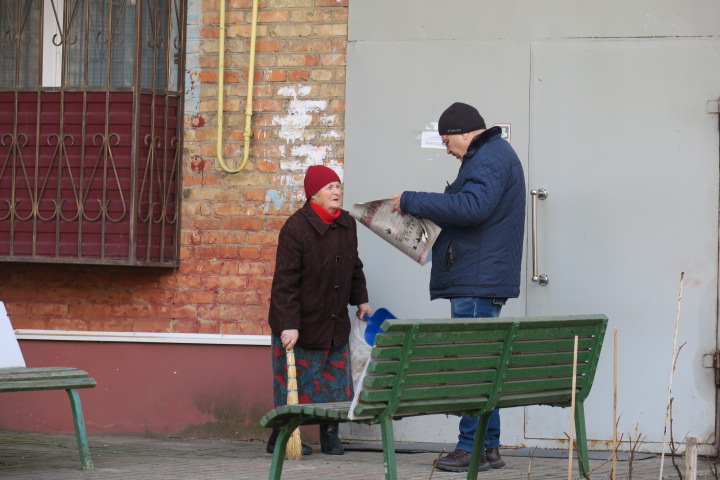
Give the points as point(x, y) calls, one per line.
point(482, 215)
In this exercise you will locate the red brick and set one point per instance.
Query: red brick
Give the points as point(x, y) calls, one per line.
point(251, 268)
point(196, 297)
point(256, 314)
point(275, 76)
point(62, 323)
point(259, 283)
point(268, 46)
point(275, 105)
point(208, 76)
point(242, 223)
point(331, 3)
point(270, 16)
point(332, 59)
point(231, 77)
point(312, 60)
point(240, 4)
point(265, 165)
point(262, 238)
point(298, 75)
point(310, 45)
point(210, 32)
point(249, 253)
point(227, 251)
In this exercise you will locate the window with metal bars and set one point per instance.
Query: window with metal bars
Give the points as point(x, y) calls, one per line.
point(91, 130)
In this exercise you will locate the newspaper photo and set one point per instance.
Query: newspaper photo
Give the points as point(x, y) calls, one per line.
point(411, 235)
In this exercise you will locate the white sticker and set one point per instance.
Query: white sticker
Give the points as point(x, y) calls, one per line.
point(431, 139)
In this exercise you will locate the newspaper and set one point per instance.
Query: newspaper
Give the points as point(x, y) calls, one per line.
point(412, 235)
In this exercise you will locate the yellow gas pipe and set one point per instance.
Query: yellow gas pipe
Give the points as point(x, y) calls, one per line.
point(247, 134)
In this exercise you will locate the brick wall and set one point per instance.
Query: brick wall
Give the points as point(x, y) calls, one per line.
point(230, 222)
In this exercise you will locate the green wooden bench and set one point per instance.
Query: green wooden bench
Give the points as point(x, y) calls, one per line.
point(462, 367)
point(22, 379)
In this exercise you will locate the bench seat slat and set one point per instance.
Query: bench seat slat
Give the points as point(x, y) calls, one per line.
point(553, 345)
point(548, 358)
point(453, 406)
point(560, 331)
point(429, 392)
point(436, 363)
point(538, 385)
point(523, 399)
point(455, 349)
point(455, 324)
point(458, 336)
point(547, 371)
point(41, 373)
point(433, 378)
point(47, 385)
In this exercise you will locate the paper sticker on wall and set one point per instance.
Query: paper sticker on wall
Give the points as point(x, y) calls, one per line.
point(431, 139)
point(505, 127)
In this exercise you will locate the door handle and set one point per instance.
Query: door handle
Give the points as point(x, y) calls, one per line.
point(539, 194)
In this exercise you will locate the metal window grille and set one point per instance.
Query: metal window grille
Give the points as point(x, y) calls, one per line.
point(91, 131)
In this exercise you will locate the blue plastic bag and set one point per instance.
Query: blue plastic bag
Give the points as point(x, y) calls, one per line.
point(374, 322)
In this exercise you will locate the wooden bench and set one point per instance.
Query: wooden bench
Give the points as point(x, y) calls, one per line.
point(461, 367)
point(15, 377)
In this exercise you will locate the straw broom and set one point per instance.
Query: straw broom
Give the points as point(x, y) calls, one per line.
point(294, 445)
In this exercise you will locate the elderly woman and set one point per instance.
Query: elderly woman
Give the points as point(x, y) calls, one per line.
point(317, 274)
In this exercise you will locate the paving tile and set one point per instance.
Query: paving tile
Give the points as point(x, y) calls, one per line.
point(39, 456)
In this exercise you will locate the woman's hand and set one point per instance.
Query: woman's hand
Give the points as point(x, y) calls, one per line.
point(363, 308)
point(289, 338)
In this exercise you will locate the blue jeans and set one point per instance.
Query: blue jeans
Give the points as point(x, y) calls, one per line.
point(477, 307)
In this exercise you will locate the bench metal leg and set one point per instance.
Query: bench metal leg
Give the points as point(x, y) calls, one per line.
point(280, 448)
point(581, 439)
point(388, 440)
point(478, 445)
point(80, 433)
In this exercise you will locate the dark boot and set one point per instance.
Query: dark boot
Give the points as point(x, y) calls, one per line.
point(492, 455)
point(329, 440)
point(270, 448)
point(459, 461)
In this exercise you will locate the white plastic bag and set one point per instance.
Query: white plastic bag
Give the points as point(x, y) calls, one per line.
point(359, 349)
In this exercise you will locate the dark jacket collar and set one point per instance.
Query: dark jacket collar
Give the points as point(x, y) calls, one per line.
point(343, 220)
point(480, 140)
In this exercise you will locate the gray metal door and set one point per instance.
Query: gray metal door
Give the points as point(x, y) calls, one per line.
point(621, 140)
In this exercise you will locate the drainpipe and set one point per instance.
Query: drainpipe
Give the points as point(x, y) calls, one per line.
point(247, 134)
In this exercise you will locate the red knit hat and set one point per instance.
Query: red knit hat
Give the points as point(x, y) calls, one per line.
point(317, 177)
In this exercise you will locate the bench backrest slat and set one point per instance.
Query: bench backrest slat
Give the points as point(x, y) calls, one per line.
point(469, 366)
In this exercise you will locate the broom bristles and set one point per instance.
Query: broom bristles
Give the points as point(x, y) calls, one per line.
point(294, 446)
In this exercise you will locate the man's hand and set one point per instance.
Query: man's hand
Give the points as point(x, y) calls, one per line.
point(396, 203)
point(363, 308)
point(289, 338)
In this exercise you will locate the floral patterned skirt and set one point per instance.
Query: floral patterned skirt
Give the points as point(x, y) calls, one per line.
point(323, 375)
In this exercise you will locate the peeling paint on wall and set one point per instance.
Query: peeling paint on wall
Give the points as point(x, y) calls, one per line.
point(331, 134)
point(292, 125)
point(299, 157)
point(276, 198)
point(193, 47)
point(310, 155)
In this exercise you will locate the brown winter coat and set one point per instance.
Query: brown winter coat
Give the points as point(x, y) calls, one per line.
point(317, 274)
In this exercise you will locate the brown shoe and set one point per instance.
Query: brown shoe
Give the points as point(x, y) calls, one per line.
point(459, 461)
point(492, 455)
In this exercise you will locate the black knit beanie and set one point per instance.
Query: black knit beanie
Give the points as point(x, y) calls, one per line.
point(460, 118)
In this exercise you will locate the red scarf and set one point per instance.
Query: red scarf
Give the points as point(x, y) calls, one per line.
point(324, 215)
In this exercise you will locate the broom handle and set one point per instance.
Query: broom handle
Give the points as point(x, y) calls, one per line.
point(294, 446)
point(292, 390)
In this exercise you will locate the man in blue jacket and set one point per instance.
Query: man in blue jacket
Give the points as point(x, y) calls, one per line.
point(476, 259)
